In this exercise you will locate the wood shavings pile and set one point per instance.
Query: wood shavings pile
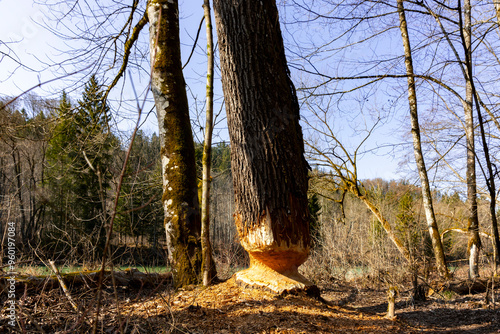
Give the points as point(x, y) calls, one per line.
point(228, 308)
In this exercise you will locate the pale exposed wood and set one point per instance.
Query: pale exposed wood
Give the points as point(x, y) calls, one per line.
point(391, 299)
point(180, 189)
point(463, 231)
point(63, 285)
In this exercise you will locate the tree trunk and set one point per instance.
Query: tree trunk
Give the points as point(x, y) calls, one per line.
point(267, 149)
point(473, 221)
point(387, 227)
point(16, 158)
point(490, 179)
point(180, 195)
point(208, 266)
point(417, 148)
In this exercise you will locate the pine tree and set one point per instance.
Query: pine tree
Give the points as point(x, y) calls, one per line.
point(78, 159)
point(92, 159)
point(139, 203)
point(58, 170)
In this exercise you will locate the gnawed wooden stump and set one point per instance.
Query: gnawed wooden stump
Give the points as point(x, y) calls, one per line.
point(276, 247)
point(391, 301)
point(264, 277)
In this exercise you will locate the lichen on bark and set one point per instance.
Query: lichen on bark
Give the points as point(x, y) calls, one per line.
point(180, 199)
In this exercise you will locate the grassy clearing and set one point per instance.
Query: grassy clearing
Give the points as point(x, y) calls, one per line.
point(43, 270)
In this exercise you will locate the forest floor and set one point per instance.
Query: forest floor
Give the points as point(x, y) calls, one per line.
point(345, 307)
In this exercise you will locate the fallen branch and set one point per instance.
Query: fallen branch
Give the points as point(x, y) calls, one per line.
point(128, 278)
point(462, 231)
point(466, 287)
point(63, 285)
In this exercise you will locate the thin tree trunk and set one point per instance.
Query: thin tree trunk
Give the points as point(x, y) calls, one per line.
point(180, 194)
point(490, 179)
point(473, 221)
point(267, 150)
point(208, 266)
point(16, 158)
point(387, 227)
point(417, 148)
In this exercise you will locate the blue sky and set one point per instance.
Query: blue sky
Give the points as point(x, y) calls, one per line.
point(21, 20)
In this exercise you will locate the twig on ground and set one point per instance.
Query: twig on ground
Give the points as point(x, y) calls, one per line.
point(115, 209)
point(63, 285)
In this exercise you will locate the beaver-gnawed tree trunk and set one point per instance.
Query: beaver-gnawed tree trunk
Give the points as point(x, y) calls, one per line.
point(267, 149)
point(180, 193)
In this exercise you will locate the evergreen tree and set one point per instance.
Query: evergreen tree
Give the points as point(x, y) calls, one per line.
point(314, 210)
point(78, 158)
point(139, 203)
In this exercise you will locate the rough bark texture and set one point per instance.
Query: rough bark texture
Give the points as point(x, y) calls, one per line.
point(208, 266)
point(268, 165)
point(417, 148)
point(473, 220)
point(180, 192)
point(490, 179)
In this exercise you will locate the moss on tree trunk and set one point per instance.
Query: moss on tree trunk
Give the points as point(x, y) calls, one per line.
point(267, 149)
point(180, 197)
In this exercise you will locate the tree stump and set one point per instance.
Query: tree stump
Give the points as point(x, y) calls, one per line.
point(391, 300)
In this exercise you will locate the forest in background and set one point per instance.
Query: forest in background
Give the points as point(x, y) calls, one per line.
point(60, 166)
point(312, 89)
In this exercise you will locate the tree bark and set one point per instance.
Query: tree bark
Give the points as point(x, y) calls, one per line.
point(267, 149)
point(16, 158)
point(180, 194)
point(417, 148)
point(474, 245)
point(490, 179)
point(208, 266)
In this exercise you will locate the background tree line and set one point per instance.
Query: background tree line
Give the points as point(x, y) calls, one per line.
point(59, 166)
